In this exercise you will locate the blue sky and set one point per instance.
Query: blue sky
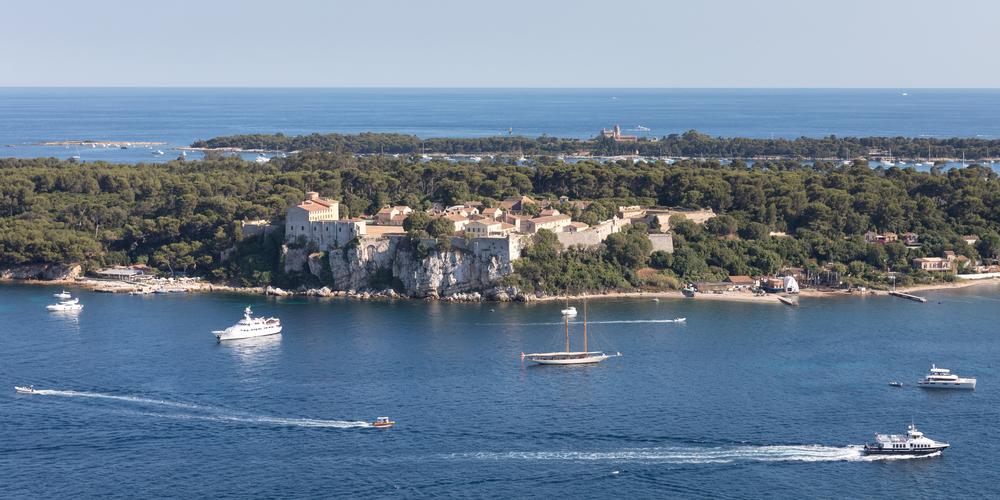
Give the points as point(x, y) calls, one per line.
point(510, 43)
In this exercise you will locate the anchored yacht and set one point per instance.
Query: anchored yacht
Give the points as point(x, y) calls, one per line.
point(569, 311)
point(249, 327)
point(62, 295)
point(912, 443)
point(569, 357)
point(942, 378)
point(66, 305)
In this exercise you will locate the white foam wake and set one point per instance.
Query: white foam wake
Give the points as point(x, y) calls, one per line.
point(609, 322)
point(131, 399)
point(265, 420)
point(696, 455)
point(208, 413)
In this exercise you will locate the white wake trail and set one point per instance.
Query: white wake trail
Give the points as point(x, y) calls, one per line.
point(131, 399)
point(208, 413)
point(609, 322)
point(695, 455)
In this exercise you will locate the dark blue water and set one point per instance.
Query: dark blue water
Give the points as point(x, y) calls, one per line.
point(181, 116)
point(741, 401)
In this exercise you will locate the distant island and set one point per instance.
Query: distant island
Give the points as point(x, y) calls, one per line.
point(428, 227)
point(613, 142)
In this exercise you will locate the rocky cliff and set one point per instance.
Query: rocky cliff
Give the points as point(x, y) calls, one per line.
point(380, 263)
point(41, 272)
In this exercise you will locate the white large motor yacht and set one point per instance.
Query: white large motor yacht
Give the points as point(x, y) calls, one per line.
point(942, 378)
point(66, 305)
point(913, 443)
point(249, 327)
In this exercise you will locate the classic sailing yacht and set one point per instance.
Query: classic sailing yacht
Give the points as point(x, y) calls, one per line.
point(570, 357)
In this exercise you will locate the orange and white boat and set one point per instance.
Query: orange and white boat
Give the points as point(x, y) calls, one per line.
point(383, 422)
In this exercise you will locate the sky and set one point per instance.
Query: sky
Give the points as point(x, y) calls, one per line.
point(509, 43)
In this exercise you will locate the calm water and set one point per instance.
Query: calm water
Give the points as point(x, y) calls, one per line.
point(741, 401)
point(180, 116)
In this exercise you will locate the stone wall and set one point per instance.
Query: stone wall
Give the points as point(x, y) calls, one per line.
point(663, 242)
point(593, 235)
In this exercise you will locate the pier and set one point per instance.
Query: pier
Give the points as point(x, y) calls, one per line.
point(907, 296)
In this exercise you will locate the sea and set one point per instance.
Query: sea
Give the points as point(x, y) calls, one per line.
point(179, 116)
point(137, 399)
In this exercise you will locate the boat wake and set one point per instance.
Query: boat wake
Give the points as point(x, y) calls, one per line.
point(263, 420)
point(697, 455)
point(610, 322)
point(209, 413)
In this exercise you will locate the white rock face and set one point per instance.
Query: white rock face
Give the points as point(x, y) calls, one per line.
point(440, 273)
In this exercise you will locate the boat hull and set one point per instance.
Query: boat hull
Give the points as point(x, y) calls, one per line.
point(874, 450)
point(224, 336)
point(969, 386)
point(566, 358)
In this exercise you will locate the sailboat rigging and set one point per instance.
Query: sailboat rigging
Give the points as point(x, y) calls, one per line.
point(570, 357)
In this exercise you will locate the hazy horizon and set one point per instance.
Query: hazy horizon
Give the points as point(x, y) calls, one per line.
point(717, 44)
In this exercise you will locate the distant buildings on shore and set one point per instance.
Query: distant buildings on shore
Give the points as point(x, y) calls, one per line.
point(615, 134)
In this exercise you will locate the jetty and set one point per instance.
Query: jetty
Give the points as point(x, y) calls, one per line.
point(907, 296)
point(787, 301)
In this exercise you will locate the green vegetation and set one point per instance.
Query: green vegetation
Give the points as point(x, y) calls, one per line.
point(183, 216)
point(688, 144)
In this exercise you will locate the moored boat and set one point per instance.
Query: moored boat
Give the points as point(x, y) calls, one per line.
point(912, 443)
point(66, 305)
point(942, 378)
point(62, 295)
point(569, 311)
point(569, 357)
point(249, 327)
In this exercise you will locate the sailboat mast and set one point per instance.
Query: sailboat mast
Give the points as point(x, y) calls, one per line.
point(585, 326)
point(566, 320)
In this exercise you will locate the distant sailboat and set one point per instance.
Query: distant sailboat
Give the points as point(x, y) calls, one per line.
point(570, 357)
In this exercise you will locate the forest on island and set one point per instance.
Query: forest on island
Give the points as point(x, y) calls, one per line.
point(687, 144)
point(183, 216)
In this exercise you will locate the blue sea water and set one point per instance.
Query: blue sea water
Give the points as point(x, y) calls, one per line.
point(741, 401)
point(179, 116)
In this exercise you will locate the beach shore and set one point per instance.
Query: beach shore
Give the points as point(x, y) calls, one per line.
point(744, 297)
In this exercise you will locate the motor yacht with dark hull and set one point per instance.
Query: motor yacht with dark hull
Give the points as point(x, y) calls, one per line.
point(913, 443)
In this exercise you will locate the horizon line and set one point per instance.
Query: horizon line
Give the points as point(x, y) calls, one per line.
point(431, 87)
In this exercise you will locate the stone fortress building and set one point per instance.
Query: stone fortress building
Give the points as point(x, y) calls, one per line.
point(318, 221)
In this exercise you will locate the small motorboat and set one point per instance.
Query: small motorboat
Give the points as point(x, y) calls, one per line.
point(62, 295)
point(66, 305)
point(25, 390)
point(895, 383)
point(680, 320)
point(383, 422)
point(569, 311)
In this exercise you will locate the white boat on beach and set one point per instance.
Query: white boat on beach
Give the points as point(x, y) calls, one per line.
point(249, 327)
point(66, 305)
point(569, 357)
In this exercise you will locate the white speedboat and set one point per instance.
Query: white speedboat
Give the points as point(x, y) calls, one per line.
point(62, 295)
point(569, 311)
point(912, 443)
point(942, 378)
point(261, 158)
point(25, 390)
point(249, 327)
point(569, 357)
point(158, 152)
point(66, 305)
